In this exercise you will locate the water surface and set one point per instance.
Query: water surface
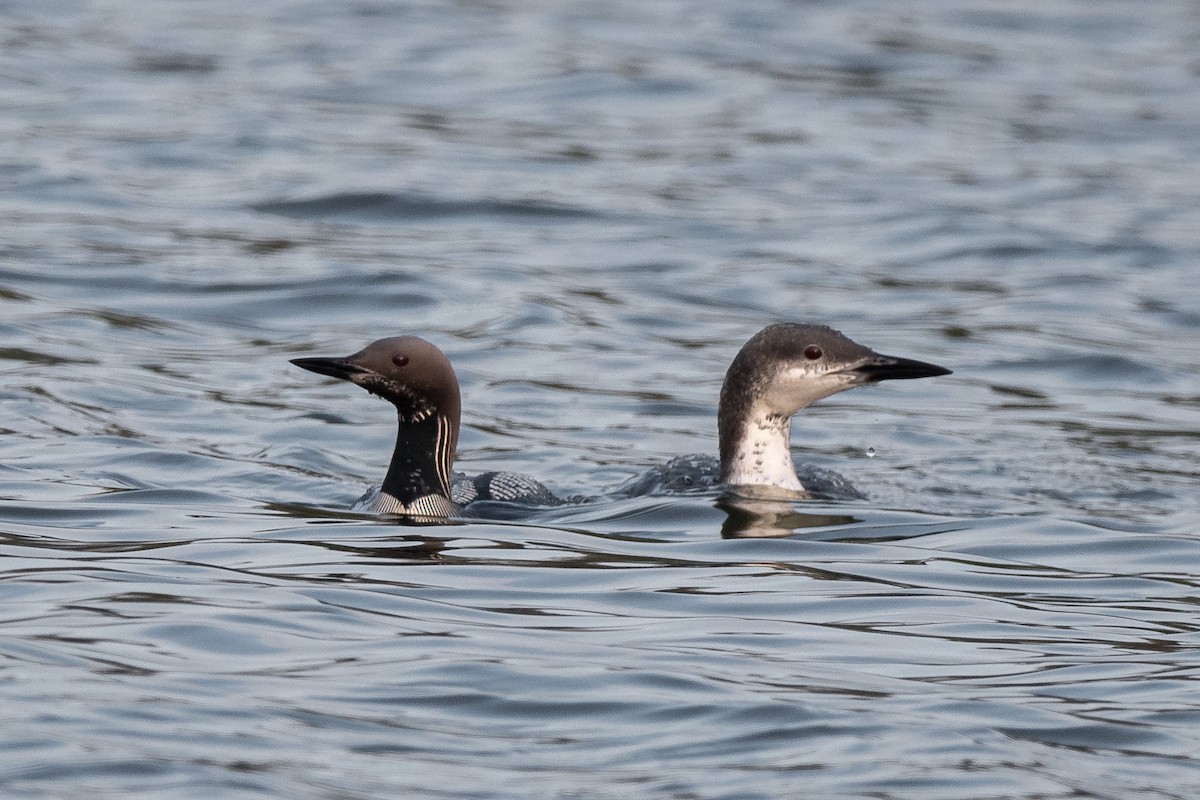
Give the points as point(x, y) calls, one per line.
point(590, 208)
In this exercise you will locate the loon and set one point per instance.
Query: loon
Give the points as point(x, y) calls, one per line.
point(782, 369)
point(416, 377)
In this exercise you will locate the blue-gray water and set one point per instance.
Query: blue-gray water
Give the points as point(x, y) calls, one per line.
point(589, 207)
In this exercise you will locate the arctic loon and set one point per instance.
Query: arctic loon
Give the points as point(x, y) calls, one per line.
point(782, 369)
point(416, 377)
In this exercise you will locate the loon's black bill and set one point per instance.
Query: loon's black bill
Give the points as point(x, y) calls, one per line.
point(333, 367)
point(886, 368)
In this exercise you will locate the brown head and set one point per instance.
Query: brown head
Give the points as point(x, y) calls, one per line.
point(409, 372)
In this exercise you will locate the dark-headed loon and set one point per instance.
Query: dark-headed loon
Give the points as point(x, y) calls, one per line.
point(418, 380)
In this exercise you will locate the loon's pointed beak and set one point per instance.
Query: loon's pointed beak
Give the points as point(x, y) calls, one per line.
point(334, 367)
point(884, 368)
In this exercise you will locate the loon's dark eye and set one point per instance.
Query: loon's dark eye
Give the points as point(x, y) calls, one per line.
point(400, 361)
point(812, 352)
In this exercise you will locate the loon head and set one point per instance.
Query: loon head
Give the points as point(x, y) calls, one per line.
point(409, 372)
point(782, 369)
point(415, 377)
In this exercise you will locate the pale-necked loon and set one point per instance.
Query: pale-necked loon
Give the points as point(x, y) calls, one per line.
point(783, 368)
point(416, 377)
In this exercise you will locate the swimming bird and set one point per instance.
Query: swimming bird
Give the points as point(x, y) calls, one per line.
point(416, 377)
point(782, 369)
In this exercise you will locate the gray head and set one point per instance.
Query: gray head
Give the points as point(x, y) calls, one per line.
point(788, 366)
point(412, 374)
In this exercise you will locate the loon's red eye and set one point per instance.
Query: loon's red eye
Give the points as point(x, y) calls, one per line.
point(812, 352)
point(400, 361)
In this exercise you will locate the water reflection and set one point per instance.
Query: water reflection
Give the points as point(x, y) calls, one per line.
point(405, 549)
point(756, 518)
point(746, 516)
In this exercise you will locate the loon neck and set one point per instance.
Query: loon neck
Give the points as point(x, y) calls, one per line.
point(754, 428)
point(418, 477)
point(756, 450)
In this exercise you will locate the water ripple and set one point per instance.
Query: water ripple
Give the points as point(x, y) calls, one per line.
point(391, 207)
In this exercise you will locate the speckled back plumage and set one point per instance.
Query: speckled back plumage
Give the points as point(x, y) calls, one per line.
point(698, 472)
point(506, 487)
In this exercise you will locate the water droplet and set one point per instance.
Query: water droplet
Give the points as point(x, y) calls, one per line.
point(870, 452)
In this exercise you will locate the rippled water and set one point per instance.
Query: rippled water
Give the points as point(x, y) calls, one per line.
point(590, 207)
